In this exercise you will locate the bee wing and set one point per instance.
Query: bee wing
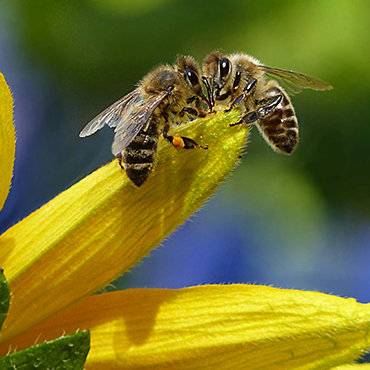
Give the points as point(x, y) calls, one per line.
point(111, 116)
point(298, 79)
point(135, 118)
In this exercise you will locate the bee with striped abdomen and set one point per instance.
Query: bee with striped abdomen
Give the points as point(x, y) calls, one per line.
point(166, 95)
point(240, 79)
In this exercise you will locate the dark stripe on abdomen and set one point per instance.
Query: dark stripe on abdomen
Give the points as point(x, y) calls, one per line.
point(280, 129)
point(139, 157)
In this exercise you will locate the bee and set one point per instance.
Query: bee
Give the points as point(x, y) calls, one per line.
point(240, 79)
point(165, 96)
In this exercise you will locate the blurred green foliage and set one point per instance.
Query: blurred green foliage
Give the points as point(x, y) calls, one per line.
point(97, 50)
point(104, 47)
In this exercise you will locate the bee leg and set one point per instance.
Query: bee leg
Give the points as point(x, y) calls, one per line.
point(261, 112)
point(188, 110)
point(251, 86)
point(119, 157)
point(269, 107)
point(248, 119)
point(198, 104)
point(198, 112)
point(236, 102)
point(192, 111)
point(209, 99)
point(192, 99)
point(182, 142)
point(248, 90)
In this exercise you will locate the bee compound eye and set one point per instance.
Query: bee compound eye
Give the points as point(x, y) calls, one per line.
point(191, 76)
point(224, 67)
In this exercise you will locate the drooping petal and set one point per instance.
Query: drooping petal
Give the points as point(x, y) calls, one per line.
point(100, 227)
point(7, 140)
point(214, 327)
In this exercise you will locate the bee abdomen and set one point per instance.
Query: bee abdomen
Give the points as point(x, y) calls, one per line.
point(139, 157)
point(133, 156)
point(138, 172)
point(144, 141)
point(280, 128)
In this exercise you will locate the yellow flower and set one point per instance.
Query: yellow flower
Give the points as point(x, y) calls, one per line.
point(93, 232)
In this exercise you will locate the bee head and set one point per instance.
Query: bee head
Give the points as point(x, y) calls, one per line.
point(188, 68)
point(216, 70)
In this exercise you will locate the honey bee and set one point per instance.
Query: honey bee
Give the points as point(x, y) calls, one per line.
point(166, 95)
point(240, 79)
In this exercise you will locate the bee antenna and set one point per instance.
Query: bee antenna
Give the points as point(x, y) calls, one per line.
point(210, 101)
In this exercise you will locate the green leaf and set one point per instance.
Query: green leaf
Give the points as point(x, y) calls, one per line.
point(64, 353)
point(4, 297)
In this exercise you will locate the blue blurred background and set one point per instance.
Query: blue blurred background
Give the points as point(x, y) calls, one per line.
point(301, 221)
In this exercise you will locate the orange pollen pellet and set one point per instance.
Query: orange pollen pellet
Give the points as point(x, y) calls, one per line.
point(177, 142)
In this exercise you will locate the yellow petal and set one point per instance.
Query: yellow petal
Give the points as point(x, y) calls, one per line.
point(7, 140)
point(214, 327)
point(100, 227)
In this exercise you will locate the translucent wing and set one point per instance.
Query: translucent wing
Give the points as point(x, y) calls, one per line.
point(111, 116)
point(287, 85)
point(135, 119)
point(298, 79)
